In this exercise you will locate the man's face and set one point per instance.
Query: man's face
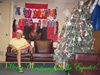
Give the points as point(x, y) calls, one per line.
point(18, 35)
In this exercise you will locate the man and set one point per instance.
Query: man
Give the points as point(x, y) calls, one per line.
point(19, 45)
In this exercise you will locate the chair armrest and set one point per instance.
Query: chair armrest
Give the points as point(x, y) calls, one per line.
point(85, 56)
point(53, 49)
point(9, 49)
point(29, 51)
point(33, 50)
point(99, 51)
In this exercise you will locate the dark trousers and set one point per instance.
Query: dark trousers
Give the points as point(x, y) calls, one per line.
point(44, 33)
point(27, 30)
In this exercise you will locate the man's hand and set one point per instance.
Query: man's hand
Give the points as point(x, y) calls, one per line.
point(14, 48)
point(31, 47)
point(26, 46)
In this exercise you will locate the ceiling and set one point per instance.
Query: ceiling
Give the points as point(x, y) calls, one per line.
point(52, 1)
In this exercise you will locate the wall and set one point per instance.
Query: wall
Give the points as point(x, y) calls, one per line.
point(8, 11)
point(4, 28)
point(62, 6)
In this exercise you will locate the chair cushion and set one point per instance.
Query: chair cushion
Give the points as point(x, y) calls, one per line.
point(43, 46)
point(15, 55)
point(86, 56)
point(42, 59)
point(43, 55)
point(12, 59)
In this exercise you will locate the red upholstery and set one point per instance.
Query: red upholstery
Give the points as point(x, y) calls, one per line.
point(26, 59)
point(11, 57)
point(22, 55)
point(43, 55)
point(43, 46)
point(85, 60)
point(86, 57)
point(98, 60)
point(42, 59)
point(43, 51)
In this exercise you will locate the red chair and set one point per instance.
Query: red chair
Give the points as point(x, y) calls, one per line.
point(43, 51)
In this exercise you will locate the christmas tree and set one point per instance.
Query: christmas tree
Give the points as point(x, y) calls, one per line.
point(76, 35)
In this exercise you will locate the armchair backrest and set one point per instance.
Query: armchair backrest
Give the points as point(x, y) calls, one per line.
point(86, 56)
point(43, 46)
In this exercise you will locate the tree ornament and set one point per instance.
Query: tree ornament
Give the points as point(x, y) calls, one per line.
point(66, 19)
point(60, 35)
point(81, 3)
point(83, 18)
point(58, 51)
point(75, 10)
point(80, 10)
point(81, 31)
point(91, 26)
point(79, 39)
point(83, 35)
point(63, 43)
point(86, 13)
point(79, 45)
point(65, 51)
point(65, 34)
point(72, 17)
point(60, 66)
point(84, 9)
point(86, 34)
point(55, 53)
point(72, 26)
point(69, 23)
point(66, 23)
point(83, 22)
point(54, 60)
point(76, 16)
point(76, 26)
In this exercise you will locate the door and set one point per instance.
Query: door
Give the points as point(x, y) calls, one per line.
point(4, 28)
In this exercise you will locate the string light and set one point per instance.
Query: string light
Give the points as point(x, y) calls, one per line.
point(77, 35)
